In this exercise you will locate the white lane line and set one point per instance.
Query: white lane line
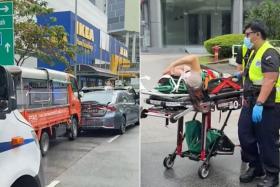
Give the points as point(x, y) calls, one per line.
point(112, 139)
point(53, 184)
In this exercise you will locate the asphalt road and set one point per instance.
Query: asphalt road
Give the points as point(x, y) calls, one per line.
point(157, 141)
point(96, 158)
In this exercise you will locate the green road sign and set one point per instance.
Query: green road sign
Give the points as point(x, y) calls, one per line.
point(6, 33)
point(6, 8)
point(6, 22)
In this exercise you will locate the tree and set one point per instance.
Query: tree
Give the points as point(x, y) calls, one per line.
point(48, 43)
point(267, 12)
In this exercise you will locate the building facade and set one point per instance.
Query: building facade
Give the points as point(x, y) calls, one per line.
point(123, 23)
point(86, 9)
point(100, 56)
point(100, 4)
point(167, 23)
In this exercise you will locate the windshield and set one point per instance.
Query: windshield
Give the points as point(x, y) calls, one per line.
point(102, 97)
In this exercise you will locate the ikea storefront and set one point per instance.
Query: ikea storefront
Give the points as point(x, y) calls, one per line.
point(97, 51)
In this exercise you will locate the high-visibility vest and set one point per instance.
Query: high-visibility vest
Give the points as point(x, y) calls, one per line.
point(244, 51)
point(255, 70)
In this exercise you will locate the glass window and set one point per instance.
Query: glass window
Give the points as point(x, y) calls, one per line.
point(130, 98)
point(74, 84)
point(122, 98)
point(191, 22)
point(102, 97)
point(125, 98)
point(33, 93)
point(59, 93)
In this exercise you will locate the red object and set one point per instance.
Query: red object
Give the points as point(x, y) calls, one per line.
point(180, 137)
point(211, 74)
point(107, 108)
point(216, 49)
point(226, 83)
point(45, 118)
point(202, 155)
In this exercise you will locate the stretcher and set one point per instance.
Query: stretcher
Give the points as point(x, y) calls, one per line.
point(225, 96)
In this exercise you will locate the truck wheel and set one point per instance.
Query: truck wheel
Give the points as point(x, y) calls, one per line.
point(44, 143)
point(73, 131)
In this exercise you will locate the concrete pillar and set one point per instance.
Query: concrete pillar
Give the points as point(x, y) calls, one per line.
point(145, 27)
point(156, 23)
point(237, 16)
point(133, 48)
point(127, 39)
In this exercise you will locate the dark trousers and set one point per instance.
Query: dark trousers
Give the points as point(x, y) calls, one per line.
point(258, 141)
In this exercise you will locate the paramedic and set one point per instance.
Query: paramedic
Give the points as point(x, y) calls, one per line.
point(257, 125)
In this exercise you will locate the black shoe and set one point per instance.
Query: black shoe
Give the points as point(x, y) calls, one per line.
point(250, 174)
point(269, 181)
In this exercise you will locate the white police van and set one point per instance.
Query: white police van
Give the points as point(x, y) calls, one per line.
point(20, 157)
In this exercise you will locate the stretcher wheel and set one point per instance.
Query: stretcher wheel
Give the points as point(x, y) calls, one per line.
point(168, 161)
point(172, 120)
point(203, 171)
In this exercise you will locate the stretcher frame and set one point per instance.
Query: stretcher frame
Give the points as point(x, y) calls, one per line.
point(175, 113)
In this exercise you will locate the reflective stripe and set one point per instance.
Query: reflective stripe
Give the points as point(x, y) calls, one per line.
point(257, 82)
point(244, 51)
point(6, 146)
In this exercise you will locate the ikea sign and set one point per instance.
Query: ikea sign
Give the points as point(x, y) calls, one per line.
point(84, 31)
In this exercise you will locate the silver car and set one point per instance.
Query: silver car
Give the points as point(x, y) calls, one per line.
point(109, 109)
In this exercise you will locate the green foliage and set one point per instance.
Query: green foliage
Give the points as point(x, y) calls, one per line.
point(31, 40)
point(267, 12)
point(225, 42)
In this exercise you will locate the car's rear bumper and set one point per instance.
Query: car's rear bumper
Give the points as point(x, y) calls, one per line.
point(111, 122)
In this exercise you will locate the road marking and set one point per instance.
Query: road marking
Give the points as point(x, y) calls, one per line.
point(112, 139)
point(53, 184)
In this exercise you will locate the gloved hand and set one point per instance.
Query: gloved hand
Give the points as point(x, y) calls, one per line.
point(238, 75)
point(257, 113)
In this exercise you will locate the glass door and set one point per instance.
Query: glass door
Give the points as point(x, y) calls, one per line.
point(198, 28)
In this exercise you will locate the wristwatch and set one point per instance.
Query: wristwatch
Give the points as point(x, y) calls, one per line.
point(259, 103)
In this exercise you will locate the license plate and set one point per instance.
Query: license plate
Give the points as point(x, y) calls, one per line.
point(93, 111)
point(92, 122)
point(172, 104)
point(154, 102)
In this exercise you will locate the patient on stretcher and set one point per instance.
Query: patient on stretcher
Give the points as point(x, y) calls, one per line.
point(184, 74)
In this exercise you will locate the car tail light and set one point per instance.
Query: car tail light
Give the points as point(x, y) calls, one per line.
point(108, 108)
point(111, 108)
